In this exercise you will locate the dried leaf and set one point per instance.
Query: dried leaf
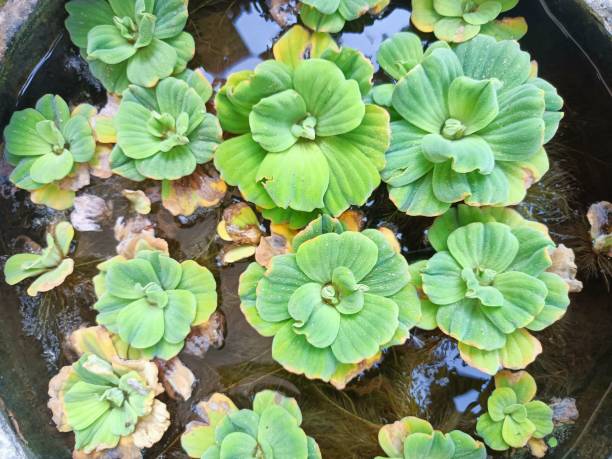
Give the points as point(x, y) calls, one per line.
point(352, 219)
point(269, 247)
point(200, 189)
point(140, 202)
point(177, 379)
point(125, 450)
point(135, 232)
point(100, 165)
point(241, 224)
point(234, 253)
point(563, 265)
point(537, 447)
point(600, 218)
point(391, 238)
point(564, 410)
point(77, 179)
point(89, 211)
point(151, 428)
point(206, 335)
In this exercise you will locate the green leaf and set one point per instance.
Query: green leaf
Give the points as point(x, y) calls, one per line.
point(466, 447)
point(361, 335)
point(238, 444)
point(483, 246)
point(455, 30)
point(352, 175)
point(322, 327)
point(540, 414)
point(200, 282)
point(140, 324)
point(533, 255)
point(391, 436)
point(319, 22)
point(453, 8)
point(274, 291)
point(17, 268)
point(473, 102)
point(522, 383)
point(133, 137)
point(334, 101)
point(556, 302)
point(54, 108)
point(406, 162)
point(51, 167)
point(353, 9)
point(421, 96)
point(171, 18)
point(127, 280)
point(21, 135)
point(83, 16)
point(105, 43)
point(491, 432)
point(303, 301)
point(354, 66)
point(276, 121)
point(324, 6)
point(424, 446)
point(179, 314)
point(319, 257)
point(268, 398)
point(516, 433)
point(113, 77)
point(168, 165)
point(238, 160)
point(390, 273)
point(500, 399)
point(279, 431)
point(424, 16)
point(322, 225)
point(52, 279)
point(49, 133)
point(506, 29)
point(484, 12)
point(467, 154)
point(296, 178)
point(152, 63)
point(400, 54)
point(79, 136)
point(418, 198)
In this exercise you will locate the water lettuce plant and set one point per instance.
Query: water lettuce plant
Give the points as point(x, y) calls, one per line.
point(461, 20)
point(131, 41)
point(513, 417)
point(412, 437)
point(334, 303)
point(51, 265)
point(331, 15)
point(271, 429)
point(163, 133)
point(151, 301)
point(474, 120)
point(487, 285)
point(107, 401)
point(46, 144)
point(307, 143)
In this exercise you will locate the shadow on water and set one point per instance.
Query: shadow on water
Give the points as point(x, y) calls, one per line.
point(425, 377)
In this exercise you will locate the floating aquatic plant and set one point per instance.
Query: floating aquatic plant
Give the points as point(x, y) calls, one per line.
point(334, 303)
point(331, 15)
point(107, 401)
point(513, 418)
point(412, 437)
point(473, 123)
point(131, 41)
point(487, 285)
point(51, 265)
point(164, 133)
point(307, 142)
point(47, 144)
point(271, 429)
point(151, 301)
point(461, 20)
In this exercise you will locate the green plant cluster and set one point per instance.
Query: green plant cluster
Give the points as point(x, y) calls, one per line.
point(457, 132)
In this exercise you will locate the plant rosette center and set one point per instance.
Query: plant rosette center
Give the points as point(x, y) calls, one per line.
point(172, 131)
point(140, 33)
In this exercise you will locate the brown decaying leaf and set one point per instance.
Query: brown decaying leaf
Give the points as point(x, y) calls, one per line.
point(241, 224)
point(537, 447)
point(200, 189)
point(269, 247)
point(352, 219)
point(89, 211)
point(206, 335)
point(134, 232)
point(563, 264)
point(140, 203)
point(600, 218)
point(177, 379)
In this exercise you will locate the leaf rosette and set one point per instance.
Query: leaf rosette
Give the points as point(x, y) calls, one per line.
point(271, 429)
point(461, 20)
point(151, 301)
point(513, 417)
point(412, 437)
point(51, 266)
point(331, 15)
point(107, 401)
point(163, 133)
point(334, 303)
point(307, 143)
point(473, 124)
point(487, 285)
point(47, 144)
point(131, 41)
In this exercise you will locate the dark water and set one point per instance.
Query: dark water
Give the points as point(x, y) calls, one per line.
point(426, 376)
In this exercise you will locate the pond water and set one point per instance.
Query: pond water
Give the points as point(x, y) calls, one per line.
point(425, 377)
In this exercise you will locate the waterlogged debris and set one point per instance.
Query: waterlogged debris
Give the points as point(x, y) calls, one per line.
point(487, 258)
point(200, 189)
point(51, 265)
point(271, 428)
point(513, 417)
point(564, 265)
point(206, 335)
point(334, 286)
point(233, 253)
point(600, 219)
point(269, 247)
point(282, 11)
point(89, 211)
point(178, 380)
point(139, 201)
point(404, 438)
point(100, 164)
point(565, 411)
point(124, 389)
point(240, 226)
point(136, 233)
